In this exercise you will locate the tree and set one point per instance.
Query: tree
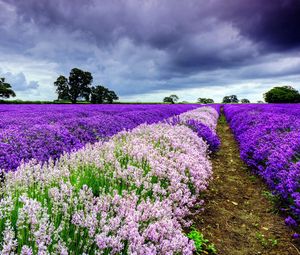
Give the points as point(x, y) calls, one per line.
point(205, 100)
point(111, 96)
point(62, 88)
point(100, 95)
point(230, 99)
point(284, 94)
point(245, 101)
point(168, 100)
point(5, 89)
point(175, 98)
point(77, 86)
point(171, 99)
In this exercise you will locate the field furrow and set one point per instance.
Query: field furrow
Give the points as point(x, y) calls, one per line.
point(238, 217)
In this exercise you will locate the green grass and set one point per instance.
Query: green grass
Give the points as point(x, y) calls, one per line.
point(203, 246)
point(266, 242)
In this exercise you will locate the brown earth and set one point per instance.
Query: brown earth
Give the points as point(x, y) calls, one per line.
point(239, 217)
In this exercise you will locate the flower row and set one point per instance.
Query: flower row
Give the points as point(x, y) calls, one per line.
point(269, 138)
point(128, 195)
point(46, 131)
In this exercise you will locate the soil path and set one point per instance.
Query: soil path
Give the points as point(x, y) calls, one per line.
point(239, 218)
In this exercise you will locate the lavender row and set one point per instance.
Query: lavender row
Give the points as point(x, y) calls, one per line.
point(46, 131)
point(204, 125)
point(269, 138)
point(128, 195)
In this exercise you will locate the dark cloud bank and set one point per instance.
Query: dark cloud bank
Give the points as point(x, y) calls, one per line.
point(147, 46)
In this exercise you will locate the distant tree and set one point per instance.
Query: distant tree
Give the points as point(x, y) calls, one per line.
point(168, 100)
point(78, 85)
point(260, 102)
point(171, 99)
point(5, 89)
point(205, 100)
point(100, 95)
point(175, 98)
point(111, 96)
point(245, 101)
point(62, 88)
point(284, 94)
point(230, 99)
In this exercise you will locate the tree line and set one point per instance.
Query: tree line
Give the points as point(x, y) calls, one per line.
point(79, 87)
point(284, 94)
point(172, 99)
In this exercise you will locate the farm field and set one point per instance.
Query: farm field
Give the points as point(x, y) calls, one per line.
point(129, 194)
point(149, 127)
point(241, 216)
point(269, 138)
point(46, 131)
point(150, 179)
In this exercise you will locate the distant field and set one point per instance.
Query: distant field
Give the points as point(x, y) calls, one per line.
point(149, 178)
point(46, 131)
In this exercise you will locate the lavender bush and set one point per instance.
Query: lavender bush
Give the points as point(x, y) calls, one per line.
point(46, 131)
point(206, 133)
point(128, 195)
point(204, 125)
point(269, 138)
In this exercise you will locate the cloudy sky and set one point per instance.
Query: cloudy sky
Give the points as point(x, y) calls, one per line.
point(148, 49)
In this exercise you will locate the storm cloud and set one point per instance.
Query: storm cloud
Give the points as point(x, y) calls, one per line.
point(20, 82)
point(153, 47)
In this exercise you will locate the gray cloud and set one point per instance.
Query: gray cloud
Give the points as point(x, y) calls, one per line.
point(274, 24)
point(19, 81)
point(140, 47)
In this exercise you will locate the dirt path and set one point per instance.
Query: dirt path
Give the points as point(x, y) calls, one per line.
point(239, 217)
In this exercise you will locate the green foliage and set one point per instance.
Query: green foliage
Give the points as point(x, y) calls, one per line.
point(175, 98)
point(5, 89)
point(284, 94)
point(253, 178)
point(172, 99)
point(266, 242)
point(62, 88)
point(205, 100)
point(100, 94)
point(78, 85)
point(230, 99)
point(274, 199)
point(222, 119)
point(202, 245)
point(168, 100)
point(296, 157)
point(245, 101)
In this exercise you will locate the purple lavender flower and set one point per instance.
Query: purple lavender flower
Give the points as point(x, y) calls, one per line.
point(47, 131)
point(269, 139)
point(131, 193)
point(289, 221)
point(206, 133)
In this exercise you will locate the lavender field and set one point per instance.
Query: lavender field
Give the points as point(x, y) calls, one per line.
point(144, 127)
point(269, 139)
point(46, 131)
point(129, 179)
point(129, 193)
